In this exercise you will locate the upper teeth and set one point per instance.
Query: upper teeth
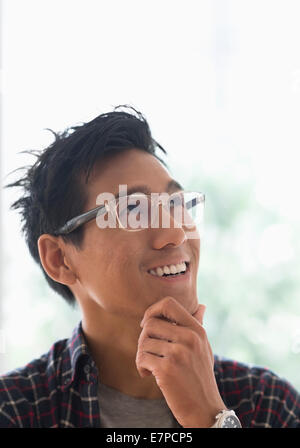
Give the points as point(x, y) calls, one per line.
point(170, 269)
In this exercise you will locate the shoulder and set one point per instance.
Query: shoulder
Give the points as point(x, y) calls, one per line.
point(260, 397)
point(27, 391)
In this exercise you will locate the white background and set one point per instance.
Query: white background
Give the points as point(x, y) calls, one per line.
point(218, 81)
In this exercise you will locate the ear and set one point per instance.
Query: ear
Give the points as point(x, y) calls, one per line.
point(54, 261)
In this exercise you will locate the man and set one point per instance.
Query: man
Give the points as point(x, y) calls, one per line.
point(140, 357)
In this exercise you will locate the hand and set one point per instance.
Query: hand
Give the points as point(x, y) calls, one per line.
point(177, 352)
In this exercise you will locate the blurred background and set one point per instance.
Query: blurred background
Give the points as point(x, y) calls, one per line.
point(219, 83)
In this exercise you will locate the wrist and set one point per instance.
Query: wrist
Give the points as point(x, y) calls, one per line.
point(204, 418)
point(226, 419)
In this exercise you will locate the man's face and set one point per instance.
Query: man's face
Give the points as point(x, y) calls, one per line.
point(113, 265)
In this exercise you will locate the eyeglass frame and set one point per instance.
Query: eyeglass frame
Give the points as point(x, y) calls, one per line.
point(73, 223)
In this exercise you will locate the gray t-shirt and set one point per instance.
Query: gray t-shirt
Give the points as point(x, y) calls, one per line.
point(118, 410)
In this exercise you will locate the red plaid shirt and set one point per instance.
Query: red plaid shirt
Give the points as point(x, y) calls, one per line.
point(60, 390)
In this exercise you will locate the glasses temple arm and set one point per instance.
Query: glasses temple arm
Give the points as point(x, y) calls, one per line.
point(73, 223)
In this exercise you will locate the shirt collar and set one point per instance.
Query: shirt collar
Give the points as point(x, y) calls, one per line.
point(76, 349)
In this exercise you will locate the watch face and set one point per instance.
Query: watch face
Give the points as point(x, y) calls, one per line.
point(231, 421)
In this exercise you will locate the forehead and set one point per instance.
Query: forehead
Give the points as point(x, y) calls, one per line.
point(130, 167)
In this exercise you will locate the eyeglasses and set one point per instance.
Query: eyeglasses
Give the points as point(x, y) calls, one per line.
point(139, 211)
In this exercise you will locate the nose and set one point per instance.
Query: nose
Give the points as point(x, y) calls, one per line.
point(167, 232)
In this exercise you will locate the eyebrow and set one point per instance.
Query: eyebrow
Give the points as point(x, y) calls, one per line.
point(172, 185)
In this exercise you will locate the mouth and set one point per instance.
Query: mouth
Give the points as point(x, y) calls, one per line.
point(172, 272)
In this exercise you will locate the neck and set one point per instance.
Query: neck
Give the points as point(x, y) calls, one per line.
point(113, 344)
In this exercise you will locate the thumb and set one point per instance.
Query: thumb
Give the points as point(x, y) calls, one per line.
point(199, 313)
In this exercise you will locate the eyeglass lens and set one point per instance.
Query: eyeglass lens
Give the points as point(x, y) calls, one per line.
point(137, 212)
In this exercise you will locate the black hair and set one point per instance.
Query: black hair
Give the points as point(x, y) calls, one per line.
point(53, 188)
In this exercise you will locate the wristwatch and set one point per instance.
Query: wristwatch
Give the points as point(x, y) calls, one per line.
point(226, 419)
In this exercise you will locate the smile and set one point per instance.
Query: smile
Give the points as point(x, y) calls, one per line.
point(171, 272)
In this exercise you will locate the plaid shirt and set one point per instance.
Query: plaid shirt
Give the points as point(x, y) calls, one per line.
point(60, 390)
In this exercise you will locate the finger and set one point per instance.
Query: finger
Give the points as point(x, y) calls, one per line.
point(147, 363)
point(157, 328)
point(170, 309)
point(199, 314)
point(156, 347)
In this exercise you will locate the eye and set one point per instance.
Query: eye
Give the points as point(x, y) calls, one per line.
point(176, 201)
point(131, 207)
point(134, 203)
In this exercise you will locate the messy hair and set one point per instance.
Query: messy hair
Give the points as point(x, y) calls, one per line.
point(54, 187)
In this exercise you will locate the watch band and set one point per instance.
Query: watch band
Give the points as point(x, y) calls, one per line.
point(227, 419)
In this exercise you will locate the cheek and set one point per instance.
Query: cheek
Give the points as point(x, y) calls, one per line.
point(117, 264)
point(115, 267)
point(195, 249)
point(116, 289)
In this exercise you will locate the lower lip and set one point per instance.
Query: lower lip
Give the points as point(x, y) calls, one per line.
point(174, 279)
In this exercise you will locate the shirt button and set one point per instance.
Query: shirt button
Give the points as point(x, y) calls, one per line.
point(87, 369)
